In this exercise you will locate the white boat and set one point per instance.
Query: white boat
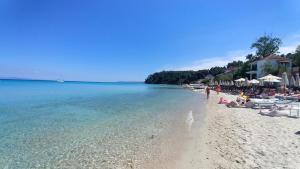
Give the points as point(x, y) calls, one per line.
point(60, 80)
point(197, 86)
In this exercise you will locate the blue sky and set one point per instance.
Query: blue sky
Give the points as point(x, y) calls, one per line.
point(117, 40)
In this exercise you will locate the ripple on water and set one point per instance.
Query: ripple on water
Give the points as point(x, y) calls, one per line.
point(118, 131)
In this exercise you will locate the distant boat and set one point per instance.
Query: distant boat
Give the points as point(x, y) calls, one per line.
point(60, 80)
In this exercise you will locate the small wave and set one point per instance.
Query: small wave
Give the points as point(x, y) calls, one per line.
point(190, 120)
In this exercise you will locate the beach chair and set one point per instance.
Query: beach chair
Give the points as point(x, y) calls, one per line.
point(268, 103)
point(295, 107)
point(278, 110)
point(275, 112)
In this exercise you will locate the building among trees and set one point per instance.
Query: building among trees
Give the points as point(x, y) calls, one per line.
point(272, 64)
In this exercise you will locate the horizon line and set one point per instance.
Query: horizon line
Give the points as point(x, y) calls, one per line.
point(31, 79)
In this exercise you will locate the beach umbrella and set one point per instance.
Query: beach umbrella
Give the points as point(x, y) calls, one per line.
point(261, 83)
point(240, 80)
point(297, 80)
point(293, 81)
point(246, 82)
point(228, 83)
point(285, 80)
point(232, 83)
point(224, 83)
point(273, 81)
point(269, 77)
point(254, 81)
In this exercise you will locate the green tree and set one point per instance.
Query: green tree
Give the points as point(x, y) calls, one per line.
point(227, 77)
point(266, 45)
point(241, 72)
point(282, 69)
point(235, 64)
point(269, 69)
point(296, 57)
point(289, 56)
point(176, 77)
point(251, 57)
point(216, 70)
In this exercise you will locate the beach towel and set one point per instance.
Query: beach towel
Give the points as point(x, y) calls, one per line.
point(223, 101)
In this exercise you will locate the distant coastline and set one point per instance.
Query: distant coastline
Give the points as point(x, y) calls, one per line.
point(50, 80)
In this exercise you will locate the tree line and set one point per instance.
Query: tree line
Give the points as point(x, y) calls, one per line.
point(265, 46)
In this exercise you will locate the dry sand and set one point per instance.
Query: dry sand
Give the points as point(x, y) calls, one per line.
point(239, 138)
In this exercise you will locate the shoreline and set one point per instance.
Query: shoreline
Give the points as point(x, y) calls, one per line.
point(168, 150)
point(242, 138)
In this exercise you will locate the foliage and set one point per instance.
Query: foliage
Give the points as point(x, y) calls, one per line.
point(235, 64)
point(226, 77)
point(268, 69)
point(298, 49)
point(296, 57)
point(205, 81)
point(289, 55)
point(251, 57)
point(176, 77)
point(217, 70)
point(266, 45)
point(241, 71)
point(281, 69)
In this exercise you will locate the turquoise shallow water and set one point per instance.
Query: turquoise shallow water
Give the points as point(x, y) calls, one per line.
point(46, 124)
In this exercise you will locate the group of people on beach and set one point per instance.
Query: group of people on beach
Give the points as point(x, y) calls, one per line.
point(260, 97)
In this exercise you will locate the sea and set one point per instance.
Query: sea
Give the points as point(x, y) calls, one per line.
point(49, 124)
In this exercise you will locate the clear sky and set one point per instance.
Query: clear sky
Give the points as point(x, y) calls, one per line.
point(125, 40)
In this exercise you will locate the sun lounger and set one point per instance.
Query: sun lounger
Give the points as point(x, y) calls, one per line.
point(257, 101)
point(263, 103)
point(295, 98)
point(275, 113)
point(295, 107)
point(268, 103)
point(282, 110)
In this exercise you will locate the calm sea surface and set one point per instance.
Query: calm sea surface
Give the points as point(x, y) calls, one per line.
point(46, 124)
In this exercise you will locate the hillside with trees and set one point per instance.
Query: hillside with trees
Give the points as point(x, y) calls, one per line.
point(264, 46)
point(176, 77)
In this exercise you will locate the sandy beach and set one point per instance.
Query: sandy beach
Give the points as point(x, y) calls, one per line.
point(242, 138)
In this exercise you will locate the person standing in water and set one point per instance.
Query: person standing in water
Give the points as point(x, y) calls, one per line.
point(207, 90)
